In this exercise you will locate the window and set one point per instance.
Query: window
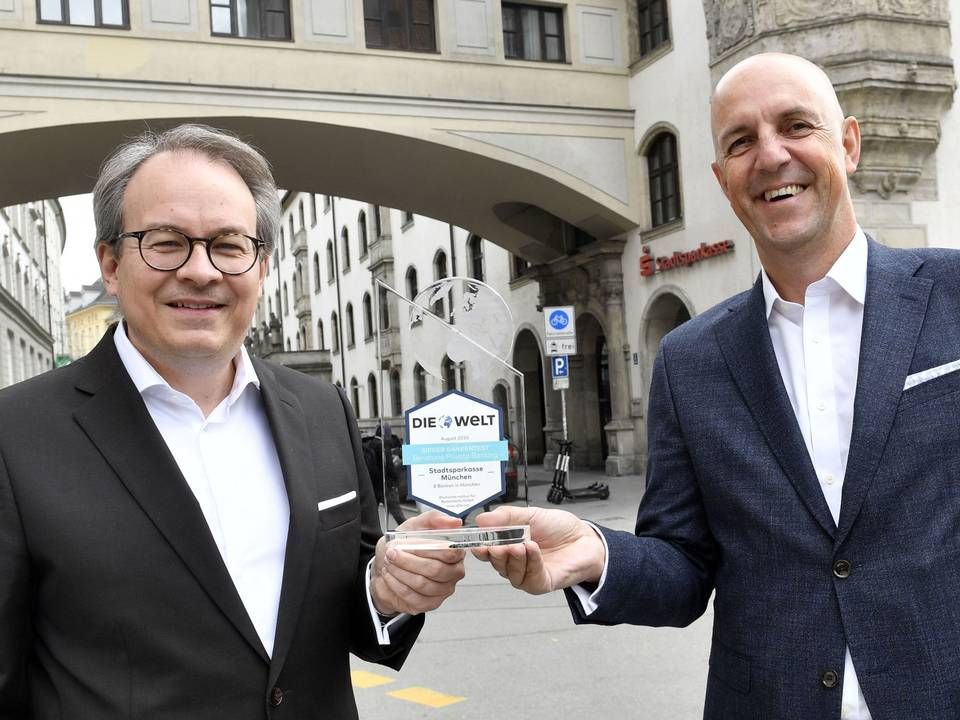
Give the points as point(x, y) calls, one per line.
point(377, 229)
point(259, 19)
point(664, 177)
point(407, 218)
point(334, 333)
point(362, 232)
point(654, 28)
point(326, 203)
point(345, 243)
point(320, 338)
point(367, 316)
point(475, 255)
point(286, 305)
point(449, 373)
point(396, 404)
point(384, 310)
point(313, 209)
point(283, 244)
point(372, 399)
point(412, 287)
point(351, 335)
point(532, 32)
point(330, 274)
point(316, 272)
point(419, 384)
point(439, 272)
point(355, 395)
point(303, 220)
point(519, 266)
point(92, 13)
point(290, 239)
point(399, 25)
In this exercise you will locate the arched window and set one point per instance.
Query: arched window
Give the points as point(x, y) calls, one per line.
point(664, 176)
point(396, 404)
point(367, 316)
point(378, 231)
point(500, 400)
point(321, 341)
point(316, 272)
point(290, 237)
point(355, 395)
point(283, 244)
point(286, 303)
point(345, 245)
point(334, 333)
point(419, 384)
point(384, 310)
point(330, 261)
point(313, 209)
point(303, 221)
point(440, 265)
point(373, 400)
point(351, 335)
point(412, 287)
point(475, 256)
point(362, 232)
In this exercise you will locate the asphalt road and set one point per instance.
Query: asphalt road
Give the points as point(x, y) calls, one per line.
point(493, 652)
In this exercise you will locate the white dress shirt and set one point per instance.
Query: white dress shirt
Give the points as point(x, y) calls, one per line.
point(817, 345)
point(229, 460)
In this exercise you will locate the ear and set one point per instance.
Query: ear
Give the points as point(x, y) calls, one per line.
point(109, 264)
point(851, 144)
point(718, 174)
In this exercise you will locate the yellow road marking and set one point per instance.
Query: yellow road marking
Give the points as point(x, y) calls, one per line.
point(364, 679)
point(425, 696)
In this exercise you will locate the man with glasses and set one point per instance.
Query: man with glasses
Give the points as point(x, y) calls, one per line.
point(185, 531)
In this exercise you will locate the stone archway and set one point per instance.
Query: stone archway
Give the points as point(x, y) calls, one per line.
point(528, 358)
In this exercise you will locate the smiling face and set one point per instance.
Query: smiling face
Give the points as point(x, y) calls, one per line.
point(784, 152)
point(194, 316)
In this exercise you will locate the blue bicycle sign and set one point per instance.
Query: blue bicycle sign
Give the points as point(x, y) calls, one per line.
point(559, 319)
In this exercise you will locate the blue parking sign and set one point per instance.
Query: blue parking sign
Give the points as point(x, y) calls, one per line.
point(560, 366)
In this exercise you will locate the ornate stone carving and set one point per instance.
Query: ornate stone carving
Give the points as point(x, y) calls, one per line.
point(729, 22)
point(790, 12)
point(914, 8)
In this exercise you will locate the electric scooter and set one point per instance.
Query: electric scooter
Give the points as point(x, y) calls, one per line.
point(558, 489)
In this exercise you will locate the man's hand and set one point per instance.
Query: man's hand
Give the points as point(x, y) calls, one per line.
point(414, 582)
point(563, 550)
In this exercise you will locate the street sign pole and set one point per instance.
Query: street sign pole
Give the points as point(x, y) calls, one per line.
point(563, 408)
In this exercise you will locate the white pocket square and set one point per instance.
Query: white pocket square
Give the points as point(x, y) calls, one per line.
point(931, 374)
point(338, 500)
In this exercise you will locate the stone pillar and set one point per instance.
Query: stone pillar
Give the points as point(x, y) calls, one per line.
point(621, 454)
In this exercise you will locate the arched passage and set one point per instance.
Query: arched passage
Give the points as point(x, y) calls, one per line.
point(588, 403)
point(528, 359)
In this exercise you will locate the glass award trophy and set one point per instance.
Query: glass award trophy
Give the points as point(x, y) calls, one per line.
point(447, 389)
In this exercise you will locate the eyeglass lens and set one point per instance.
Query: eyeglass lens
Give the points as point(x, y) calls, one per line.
point(169, 249)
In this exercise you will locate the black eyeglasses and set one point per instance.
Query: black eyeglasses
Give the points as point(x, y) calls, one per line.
point(167, 249)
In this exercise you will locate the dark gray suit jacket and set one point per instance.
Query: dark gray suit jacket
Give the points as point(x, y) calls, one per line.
point(114, 600)
point(733, 505)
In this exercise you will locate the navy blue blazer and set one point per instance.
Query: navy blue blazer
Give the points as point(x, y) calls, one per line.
point(733, 507)
point(114, 600)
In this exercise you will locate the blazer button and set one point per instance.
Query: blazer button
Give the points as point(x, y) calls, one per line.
point(841, 568)
point(276, 696)
point(829, 679)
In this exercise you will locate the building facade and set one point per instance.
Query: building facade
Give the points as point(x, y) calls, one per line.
point(89, 312)
point(31, 306)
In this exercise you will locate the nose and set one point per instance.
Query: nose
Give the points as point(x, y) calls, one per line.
point(198, 269)
point(772, 153)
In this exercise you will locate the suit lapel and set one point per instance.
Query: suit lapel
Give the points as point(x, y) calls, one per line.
point(894, 309)
point(289, 426)
point(118, 424)
point(745, 342)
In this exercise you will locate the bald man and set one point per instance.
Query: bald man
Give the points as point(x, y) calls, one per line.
point(804, 449)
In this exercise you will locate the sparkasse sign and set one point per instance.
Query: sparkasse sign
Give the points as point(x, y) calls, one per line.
point(681, 258)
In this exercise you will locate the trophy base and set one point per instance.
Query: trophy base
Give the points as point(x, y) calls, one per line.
point(457, 538)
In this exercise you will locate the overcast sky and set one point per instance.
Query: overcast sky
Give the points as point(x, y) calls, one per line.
point(78, 264)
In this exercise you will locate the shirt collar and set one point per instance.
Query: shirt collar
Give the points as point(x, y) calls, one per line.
point(849, 272)
point(145, 376)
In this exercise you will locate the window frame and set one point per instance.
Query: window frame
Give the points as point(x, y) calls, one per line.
point(97, 14)
point(658, 178)
point(645, 9)
point(406, 26)
point(542, 10)
point(234, 27)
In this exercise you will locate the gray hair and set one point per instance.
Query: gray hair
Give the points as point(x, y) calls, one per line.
point(215, 144)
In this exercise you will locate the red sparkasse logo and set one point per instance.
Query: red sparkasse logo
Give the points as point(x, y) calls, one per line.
point(680, 258)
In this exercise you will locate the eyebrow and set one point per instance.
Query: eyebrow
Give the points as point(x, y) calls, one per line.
point(794, 111)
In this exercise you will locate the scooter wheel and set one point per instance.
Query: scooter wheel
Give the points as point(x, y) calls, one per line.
point(603, 493)
point(555, 496)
